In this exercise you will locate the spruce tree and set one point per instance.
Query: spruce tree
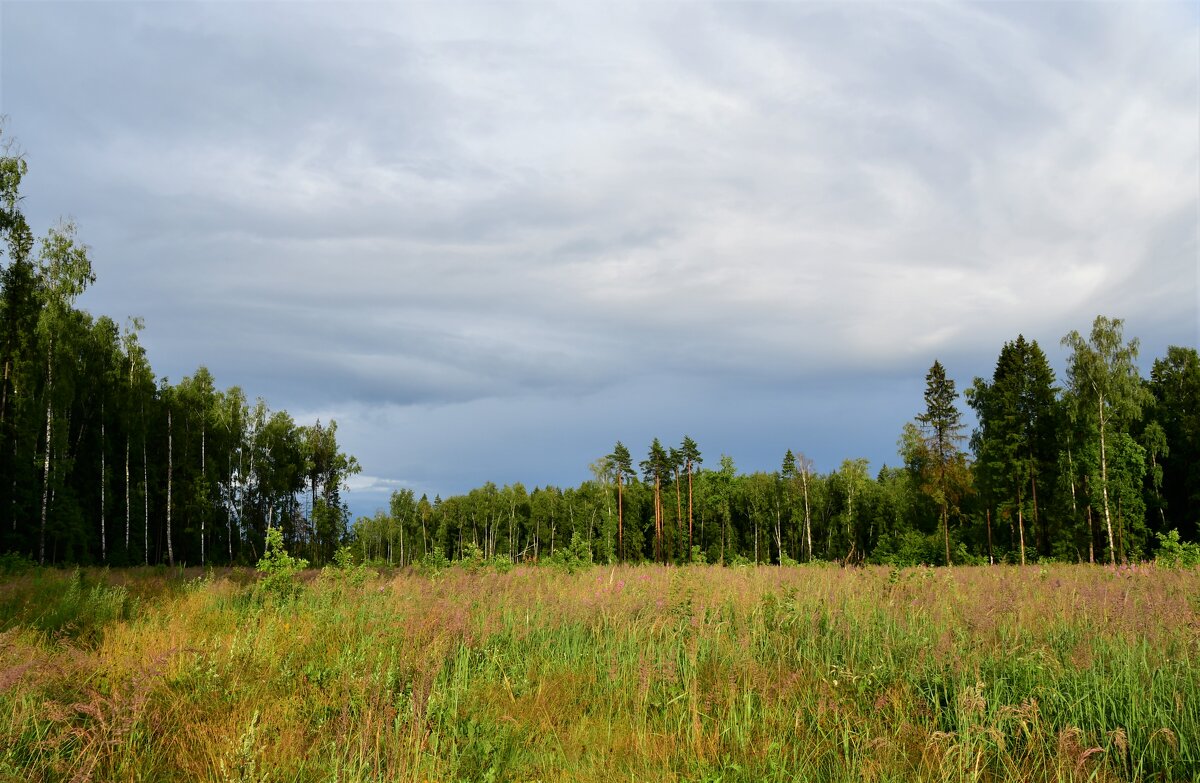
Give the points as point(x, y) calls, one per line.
point(942, 426)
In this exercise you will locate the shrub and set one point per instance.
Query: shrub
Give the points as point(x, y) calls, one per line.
point(434, 562)
point(278, 568)
point(501, 564)
point(12, 563)
point(472, 558)
point(575, 557)
point(1173, 553)
point(738, 560)
point(344, 569)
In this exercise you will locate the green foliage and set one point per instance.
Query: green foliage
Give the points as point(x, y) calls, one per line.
point(15, 563)
point(575, 557)
point(278, 569)
point(242, 766)
point(738, 560)
point(472, 558)
point(344, 570)
point(1173, 553)
point(908, 548)
point(500, 564)
point(65, 605)
point(435, 562)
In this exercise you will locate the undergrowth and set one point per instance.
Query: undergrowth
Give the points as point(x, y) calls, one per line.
point(1057, 673)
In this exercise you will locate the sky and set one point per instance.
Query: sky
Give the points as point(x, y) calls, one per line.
point(491, 239)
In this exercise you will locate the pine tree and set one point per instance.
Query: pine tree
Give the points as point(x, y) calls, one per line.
point(655, 467)
point(622, 463)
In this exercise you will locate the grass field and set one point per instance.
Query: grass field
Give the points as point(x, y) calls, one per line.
point(1062, 673)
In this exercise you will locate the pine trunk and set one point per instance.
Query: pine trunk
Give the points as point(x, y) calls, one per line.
point(620, 519)
point(678, 513)
point(690, 541)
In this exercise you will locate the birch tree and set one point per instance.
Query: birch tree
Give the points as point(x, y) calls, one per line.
point(65, 271)
point(1105, 387)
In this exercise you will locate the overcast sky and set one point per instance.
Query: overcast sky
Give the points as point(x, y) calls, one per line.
point(490, 239)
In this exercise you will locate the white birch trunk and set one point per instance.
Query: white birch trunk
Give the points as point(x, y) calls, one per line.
point(1112, 549)
point(170, 471)
point(204, 481)
point(127, 514)
point(103, 531)
point(807, 516)
point(46, 463)
point(145, 492)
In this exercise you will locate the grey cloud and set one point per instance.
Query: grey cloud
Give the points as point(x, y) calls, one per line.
point(478, 208)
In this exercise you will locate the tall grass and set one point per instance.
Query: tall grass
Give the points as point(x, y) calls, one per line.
point(707, 674)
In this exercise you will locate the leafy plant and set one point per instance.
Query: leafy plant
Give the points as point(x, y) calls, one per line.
point(279, 569)
point(434, 562)
point(15, 563)
point(575, 557)
point(344, 569)
point(1173, 553)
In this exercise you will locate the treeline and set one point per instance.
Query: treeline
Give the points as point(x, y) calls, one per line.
point(103, 462)
point(1090, 469)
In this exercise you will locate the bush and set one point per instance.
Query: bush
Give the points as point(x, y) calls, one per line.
point(472, 558)
point(1173, 553)
point(575, 557)
point(501, 564)
point(12, 563)
point(278, 568)
point(738, 560)
point(434, 562)
point(345, 570)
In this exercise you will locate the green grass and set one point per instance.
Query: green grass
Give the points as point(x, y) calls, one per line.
point(1066, 673)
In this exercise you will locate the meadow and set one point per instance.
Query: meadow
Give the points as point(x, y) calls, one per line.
point(650, 673)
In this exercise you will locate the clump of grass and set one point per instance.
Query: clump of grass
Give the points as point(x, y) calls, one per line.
point(779, 674)
point(64, 605)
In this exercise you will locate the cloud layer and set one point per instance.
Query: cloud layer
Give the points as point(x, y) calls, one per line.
point(494, 238)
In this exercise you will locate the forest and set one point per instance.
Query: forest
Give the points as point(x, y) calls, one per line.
point(103, 462)
point(1100, 468)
